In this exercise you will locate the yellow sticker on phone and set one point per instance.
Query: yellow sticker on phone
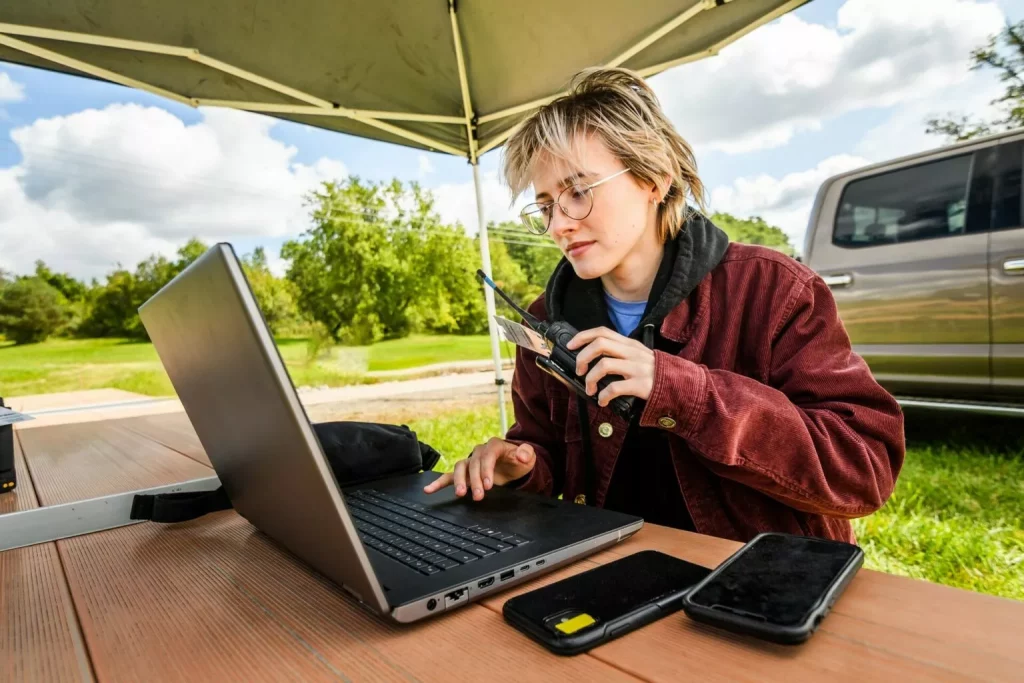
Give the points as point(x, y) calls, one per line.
point(577, 623)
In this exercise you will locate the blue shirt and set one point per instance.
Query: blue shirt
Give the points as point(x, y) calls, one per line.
point(624, 314)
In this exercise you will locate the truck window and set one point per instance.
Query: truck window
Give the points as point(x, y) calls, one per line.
point(914, 203)
point(995, 196)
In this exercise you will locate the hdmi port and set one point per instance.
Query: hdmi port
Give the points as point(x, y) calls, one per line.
point(485, 583)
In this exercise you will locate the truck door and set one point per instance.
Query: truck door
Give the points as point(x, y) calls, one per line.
point(1006, 275)
point(908, 266)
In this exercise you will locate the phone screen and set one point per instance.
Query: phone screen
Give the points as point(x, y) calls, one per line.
point(778, 578)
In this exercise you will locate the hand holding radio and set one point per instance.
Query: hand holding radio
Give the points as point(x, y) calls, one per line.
point(627, 362)
point(561, 361)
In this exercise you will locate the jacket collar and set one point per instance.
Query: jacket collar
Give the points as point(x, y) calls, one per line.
point(687, 259)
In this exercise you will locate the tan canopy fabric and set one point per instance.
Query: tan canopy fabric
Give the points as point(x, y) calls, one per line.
point(454, 76)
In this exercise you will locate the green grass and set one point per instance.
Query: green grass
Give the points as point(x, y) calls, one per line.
point(417, 350)
point(956, 517)
point(79, 364)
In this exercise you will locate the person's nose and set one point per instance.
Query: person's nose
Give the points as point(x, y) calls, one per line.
point(561, 225)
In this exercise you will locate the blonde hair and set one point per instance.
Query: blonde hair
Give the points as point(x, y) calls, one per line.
point(619, 107)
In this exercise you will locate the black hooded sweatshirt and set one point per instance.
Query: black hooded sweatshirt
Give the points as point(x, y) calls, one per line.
point(645, 455)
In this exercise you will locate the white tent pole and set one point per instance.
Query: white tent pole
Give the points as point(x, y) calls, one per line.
point(492, 327)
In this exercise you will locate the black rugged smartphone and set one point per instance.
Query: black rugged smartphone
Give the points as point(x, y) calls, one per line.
point(777, 587)
point(575, 614)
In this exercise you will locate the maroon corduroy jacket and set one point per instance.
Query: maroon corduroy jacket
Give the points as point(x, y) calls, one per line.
point(775, 423)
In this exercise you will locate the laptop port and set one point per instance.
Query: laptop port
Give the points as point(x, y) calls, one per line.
point(505, 576)
point(486, 582)
point(524, 568)
point(540, 562)
point(455, 597)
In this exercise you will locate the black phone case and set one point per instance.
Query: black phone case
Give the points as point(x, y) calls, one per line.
point(778, 633)
point(620, 597)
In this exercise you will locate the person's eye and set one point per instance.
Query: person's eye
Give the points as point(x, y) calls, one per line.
point(578, 192)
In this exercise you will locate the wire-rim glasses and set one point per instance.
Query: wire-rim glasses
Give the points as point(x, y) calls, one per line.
point(576, 201)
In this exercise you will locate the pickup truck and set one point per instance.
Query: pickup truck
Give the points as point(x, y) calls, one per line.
point(924, 255)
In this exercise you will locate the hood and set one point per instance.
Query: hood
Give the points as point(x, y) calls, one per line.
point(695, 251)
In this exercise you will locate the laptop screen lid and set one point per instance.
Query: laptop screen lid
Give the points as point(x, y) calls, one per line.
point(220, 356)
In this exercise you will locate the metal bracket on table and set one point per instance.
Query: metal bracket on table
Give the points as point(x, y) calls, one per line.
point(52, 523)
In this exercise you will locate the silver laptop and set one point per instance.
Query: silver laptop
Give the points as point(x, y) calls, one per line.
point(400, 552)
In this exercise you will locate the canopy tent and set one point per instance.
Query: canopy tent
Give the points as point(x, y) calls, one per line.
point(452, 76)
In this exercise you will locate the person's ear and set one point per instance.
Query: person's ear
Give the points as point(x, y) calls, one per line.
point(657, 196)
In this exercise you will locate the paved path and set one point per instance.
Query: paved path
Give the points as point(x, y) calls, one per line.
point(104, 404)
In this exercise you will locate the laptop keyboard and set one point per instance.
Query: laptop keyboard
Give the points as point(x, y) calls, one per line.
point(406, 531)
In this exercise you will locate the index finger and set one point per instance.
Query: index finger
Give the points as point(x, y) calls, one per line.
point(439, 483)
point(587, 336)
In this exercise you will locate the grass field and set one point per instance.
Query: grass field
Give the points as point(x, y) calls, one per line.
point(956, 517)
point(78, 364)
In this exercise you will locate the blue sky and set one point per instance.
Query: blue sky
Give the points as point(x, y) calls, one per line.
point(92, 174)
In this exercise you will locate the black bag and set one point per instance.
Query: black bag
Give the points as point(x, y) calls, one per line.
point(358, 452)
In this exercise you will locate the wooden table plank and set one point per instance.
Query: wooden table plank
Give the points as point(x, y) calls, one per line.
point(39, 635)
point(172, 430)
point(214, 599)
point(79, 461)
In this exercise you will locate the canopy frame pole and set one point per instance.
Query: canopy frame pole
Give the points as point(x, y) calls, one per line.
point(492, 326)
point(90, 69)
point(485, 250)
point(320, 106)
point(725, 42)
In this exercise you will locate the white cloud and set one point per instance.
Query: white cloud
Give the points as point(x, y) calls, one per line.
point(791, 75)
point(115, 185)
point(426, 167)
point(456, 202)
point(784, 202)
point(10, 90)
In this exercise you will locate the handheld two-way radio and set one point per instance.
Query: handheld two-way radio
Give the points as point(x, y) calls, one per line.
point(561, 363)
point(8, 475)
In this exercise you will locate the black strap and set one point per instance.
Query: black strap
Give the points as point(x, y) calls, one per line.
point(178, 507)
point(588, 452)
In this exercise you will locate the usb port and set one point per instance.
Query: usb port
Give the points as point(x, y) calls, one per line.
point(524, 568)
point(540, 562)
point(486, 582)
point(505, 576)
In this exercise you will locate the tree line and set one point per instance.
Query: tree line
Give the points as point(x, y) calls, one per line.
point(377, 263)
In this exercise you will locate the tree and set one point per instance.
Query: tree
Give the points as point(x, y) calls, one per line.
point(1004, 52)
point(72, 289)
point(113, 309)
point(753, 230)
point(31, 310)
point(378, 263)
point(275, 296)
point(537, 256)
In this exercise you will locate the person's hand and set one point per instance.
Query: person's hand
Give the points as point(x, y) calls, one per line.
point(626, 357)
point(496, 462)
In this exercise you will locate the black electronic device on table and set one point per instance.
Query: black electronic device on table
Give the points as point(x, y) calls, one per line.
point(778, 587)
point(579, 612)
point(8, 477)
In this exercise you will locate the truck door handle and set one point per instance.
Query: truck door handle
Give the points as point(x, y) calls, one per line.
point(1014, 266)
point(838, 280)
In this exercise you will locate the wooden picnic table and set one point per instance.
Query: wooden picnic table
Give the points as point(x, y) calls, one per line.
point(214, 599)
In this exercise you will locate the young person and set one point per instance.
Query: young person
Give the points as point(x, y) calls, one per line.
point(754, 412)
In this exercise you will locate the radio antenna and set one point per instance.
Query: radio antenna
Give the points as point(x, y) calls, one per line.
point(530, 320)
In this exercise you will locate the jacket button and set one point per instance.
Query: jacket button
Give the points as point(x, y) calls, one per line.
point(605, 430)
point(580, 499)
point(666, 422)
